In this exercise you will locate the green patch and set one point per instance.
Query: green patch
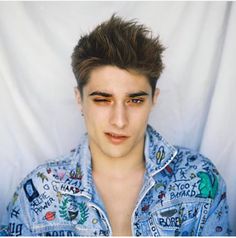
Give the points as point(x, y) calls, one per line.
point(208, 185)
point(79, 210)
point(42, 176)
point(83, 209)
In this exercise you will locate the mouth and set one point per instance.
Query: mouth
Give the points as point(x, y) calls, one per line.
point(116, 138)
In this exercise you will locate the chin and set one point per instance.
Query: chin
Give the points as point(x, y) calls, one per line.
point(116, 153)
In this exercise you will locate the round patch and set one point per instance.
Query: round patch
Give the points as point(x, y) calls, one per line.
point(94, 221)
point(219, 229)
point(49, 216)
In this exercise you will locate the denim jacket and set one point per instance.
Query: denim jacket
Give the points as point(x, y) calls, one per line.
point(182, 194)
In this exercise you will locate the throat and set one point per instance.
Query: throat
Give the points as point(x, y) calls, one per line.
point(117, 168)
point(119, 195)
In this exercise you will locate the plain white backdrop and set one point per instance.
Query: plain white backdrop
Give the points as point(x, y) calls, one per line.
point(39, 118)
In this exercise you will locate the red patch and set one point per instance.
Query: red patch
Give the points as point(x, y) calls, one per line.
point(50, 216)
point(49, 170)
point(169, 169)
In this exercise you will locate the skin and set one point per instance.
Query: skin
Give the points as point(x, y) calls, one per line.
point(119, 113)
point(116, 104)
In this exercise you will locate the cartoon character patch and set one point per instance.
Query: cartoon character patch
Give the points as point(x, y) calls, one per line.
point(76, 174)
point(42, 176)
point(70, 210)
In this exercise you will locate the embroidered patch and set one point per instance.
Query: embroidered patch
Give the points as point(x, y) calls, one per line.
point(76, 174)
point(69, 210)
point(30, 190)
point(208, 185)
point(169, 213)
point(50, 216)
point(160, 155)
point(42, 176)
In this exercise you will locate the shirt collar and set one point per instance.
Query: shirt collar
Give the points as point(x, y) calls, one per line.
point(158, 154)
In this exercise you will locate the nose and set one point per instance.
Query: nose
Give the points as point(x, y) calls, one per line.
point(119, 117)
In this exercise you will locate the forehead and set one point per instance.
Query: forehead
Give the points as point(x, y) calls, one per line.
point(114, 80)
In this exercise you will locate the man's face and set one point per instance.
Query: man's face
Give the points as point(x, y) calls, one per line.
point(116, 104)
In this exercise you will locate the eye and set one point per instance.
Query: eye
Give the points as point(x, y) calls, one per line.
point(136, 101)
point(101, 100)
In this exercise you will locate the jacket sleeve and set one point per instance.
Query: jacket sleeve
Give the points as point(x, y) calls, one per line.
point(17, 219)
point(217, 220)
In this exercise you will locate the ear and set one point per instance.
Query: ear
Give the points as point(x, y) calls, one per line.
point(78, 95)
point(155, 96)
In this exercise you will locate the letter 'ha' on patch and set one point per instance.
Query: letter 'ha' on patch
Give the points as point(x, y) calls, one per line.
point(30, 190)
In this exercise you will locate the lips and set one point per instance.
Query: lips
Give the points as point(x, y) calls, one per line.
point(116, 138)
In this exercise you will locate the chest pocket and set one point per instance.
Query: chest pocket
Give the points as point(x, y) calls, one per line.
point(179, 218)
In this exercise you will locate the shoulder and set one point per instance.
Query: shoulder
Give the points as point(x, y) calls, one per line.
point(194, 169)
point(192, 159)
point(42, 182)
point(48, 170)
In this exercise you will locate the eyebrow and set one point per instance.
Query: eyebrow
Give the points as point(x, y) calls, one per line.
point(99, 93)
point(138, 94)
point(132, 95)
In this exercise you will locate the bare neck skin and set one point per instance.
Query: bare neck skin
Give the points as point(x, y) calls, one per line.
point(119, 181)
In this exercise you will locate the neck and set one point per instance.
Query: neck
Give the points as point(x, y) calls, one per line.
point(118, 167)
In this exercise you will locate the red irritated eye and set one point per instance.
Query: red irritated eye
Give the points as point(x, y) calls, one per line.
point(130, 101)
point(101, 100)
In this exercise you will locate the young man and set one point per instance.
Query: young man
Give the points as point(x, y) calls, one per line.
point(124, 178)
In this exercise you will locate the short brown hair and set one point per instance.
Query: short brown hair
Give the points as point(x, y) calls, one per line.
point(125, 44)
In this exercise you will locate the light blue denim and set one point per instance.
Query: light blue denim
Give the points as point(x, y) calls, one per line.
point(183, 195)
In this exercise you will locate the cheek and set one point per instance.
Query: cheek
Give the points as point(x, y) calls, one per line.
point(95, 115)
point(140, 114)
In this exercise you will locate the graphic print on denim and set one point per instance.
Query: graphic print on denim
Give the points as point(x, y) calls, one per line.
point(183, 194)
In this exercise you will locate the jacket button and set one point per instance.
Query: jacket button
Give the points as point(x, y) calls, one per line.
point(94, 221)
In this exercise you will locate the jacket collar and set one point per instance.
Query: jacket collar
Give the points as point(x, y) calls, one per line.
point(157, 151)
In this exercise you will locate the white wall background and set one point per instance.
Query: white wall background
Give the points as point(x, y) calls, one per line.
point(39, 119)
